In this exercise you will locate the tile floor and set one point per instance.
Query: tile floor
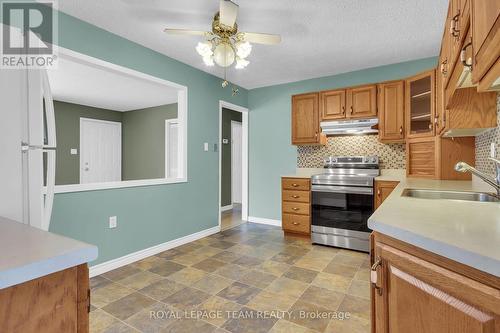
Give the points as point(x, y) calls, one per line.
point(231, 218)
point(246, 279)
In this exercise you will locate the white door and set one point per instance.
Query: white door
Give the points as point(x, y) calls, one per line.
point(100, 151)
point(236, 162)
point(172, 148)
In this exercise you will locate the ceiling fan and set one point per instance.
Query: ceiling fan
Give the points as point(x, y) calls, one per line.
point(225, 44)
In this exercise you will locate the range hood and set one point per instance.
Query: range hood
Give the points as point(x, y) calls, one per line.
point(349, 127)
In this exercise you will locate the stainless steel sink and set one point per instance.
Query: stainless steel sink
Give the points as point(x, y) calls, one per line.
point(450, 195)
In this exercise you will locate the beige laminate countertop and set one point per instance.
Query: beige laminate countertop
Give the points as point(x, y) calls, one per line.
point(467, 232)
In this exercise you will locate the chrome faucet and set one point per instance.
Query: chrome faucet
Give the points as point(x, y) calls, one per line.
point(495, 182)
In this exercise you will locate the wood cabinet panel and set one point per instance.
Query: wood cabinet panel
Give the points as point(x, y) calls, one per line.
point(486, 36)
point(297, 223)
point(420, 296)
point(362, 102)
point(296, 196)
point(332, 104)
point(54, 303)
point(382, 190)
point(453, 151)
point(303, 184)
point(296, 208)
point(421, 158)
point(305, 119)
point(391, 111)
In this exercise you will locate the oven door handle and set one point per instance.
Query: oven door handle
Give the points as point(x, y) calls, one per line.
point(342, 189)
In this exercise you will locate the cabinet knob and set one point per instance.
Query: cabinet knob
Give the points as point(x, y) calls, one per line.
point(295, 185)
point(295, 196)
point(374, 275)
point(378, 192)
point(295, 223)
point(401, 130)
point(295, 209)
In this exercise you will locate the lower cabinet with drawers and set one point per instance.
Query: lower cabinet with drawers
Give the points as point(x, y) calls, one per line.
point(296, 205)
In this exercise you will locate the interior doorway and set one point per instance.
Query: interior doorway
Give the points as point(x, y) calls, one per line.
point(233, 180)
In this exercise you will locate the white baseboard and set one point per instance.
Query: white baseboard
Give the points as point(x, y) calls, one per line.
point(263, 220)
point(225, 208)
point(136, 256)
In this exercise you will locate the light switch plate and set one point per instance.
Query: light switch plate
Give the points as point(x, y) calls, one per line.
point(74, 151)
point(205, 146)
point(113, 222)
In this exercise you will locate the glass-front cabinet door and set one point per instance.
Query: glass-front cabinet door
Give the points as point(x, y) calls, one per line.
point(420, 105)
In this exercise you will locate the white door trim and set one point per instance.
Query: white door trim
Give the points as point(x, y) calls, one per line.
point(244, 153)
point(167, 135)
point(234, 123)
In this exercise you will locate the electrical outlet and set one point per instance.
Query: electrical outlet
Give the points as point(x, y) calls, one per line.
point(112, 222)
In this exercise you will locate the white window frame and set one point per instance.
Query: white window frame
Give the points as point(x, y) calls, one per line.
point(182, 116)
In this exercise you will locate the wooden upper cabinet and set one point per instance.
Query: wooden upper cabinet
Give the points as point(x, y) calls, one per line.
point(305, 119)
point(391, 111)
point(486, 36)
point(362, 102)
point(420, 105)
point(332, 105)
point(413, 294)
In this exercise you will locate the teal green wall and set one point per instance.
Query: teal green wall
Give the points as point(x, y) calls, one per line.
point(148, 215)
point(68, 136)
point(143, 133)
point(270, 151)
point(227, 117)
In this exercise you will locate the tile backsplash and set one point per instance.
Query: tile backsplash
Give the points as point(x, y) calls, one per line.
point(392, 156)
point(483, 143)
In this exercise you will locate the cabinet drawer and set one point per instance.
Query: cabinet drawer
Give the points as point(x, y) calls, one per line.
point(296, 196)
point(296, 208)
point(296, 184)
point(296, 223)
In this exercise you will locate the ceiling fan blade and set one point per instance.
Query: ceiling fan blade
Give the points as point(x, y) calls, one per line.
point(228, 12)
point(185, 32)
point(258, 38)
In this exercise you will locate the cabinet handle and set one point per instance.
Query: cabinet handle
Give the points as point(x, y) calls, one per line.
point(378, 192)
point(401, 130)
point(295, 223)
point(463, 56)
point(295, 209)
point(453, 26)
point(374, 275)
point(343, 110)
point(352, 109)
point(430, 126)
point(444, 69)
point(316, 134)
point(295, 185)
point(295, 196)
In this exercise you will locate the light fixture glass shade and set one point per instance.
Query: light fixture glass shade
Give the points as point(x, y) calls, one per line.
point(243, 49)
point(241, 63)
point(204, 49)
point(209, 60)
point(224, 54)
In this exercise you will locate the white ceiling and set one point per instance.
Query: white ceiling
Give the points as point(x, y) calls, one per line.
point(319, 37)
point(84, 84)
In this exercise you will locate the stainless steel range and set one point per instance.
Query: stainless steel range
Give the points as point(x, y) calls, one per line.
point(342, 202)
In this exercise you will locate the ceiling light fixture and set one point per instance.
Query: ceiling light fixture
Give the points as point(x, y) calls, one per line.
point(224, 45)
